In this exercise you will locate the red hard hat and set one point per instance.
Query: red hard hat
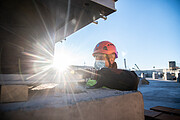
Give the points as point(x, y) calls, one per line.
point(105, 47)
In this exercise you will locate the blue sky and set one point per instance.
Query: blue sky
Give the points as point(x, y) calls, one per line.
point(145, 32)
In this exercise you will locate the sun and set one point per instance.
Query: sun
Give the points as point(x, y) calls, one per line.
point(61, 61)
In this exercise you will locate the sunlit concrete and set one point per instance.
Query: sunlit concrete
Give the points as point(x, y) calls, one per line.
point(89, 104)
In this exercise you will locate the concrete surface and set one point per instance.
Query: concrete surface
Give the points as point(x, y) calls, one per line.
point(13, 93)
point(161, 93)
point(58, 98)
point(126, 107)
point(91, 104)
point(50, 101)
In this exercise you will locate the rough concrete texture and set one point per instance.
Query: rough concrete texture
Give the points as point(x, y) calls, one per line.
point(97, 104)
point(13, 93)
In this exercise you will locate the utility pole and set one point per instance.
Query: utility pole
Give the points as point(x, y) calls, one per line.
point(125, 63)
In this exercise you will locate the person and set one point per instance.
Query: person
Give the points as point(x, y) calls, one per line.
point(105, 54)
point(107, 74)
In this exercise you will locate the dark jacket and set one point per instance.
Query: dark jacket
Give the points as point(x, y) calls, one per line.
point(114, 65)
point(117, 79)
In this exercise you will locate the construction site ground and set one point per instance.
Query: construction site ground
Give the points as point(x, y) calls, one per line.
point(161, 92)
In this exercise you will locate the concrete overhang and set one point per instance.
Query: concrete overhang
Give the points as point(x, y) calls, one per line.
point(75, 15)
point(34, 26)
point(65, 16)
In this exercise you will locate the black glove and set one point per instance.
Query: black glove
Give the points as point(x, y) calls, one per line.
point(117, 79)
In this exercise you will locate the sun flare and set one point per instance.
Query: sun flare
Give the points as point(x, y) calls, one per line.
point(61, 61)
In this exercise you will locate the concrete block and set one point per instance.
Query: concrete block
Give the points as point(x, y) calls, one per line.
point(124, 107)
point(14, 93)
point(149, 114)
point(167, 117)
point(166, 110)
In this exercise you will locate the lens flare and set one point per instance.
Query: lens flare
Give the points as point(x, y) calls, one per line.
point(62, 61)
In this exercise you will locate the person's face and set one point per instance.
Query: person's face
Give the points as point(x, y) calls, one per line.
point(103, 57)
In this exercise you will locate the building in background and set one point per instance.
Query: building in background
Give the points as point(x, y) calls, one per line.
point(170, 73)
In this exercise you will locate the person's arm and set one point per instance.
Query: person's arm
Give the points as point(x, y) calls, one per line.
point(117, 79)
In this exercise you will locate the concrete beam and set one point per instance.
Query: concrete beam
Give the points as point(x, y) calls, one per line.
point(127, 106)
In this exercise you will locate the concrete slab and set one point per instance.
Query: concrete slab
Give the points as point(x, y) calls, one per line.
point(167, 117)
point(151, 114)
point(64, 98)
point(166, 110)
point(93, 104)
